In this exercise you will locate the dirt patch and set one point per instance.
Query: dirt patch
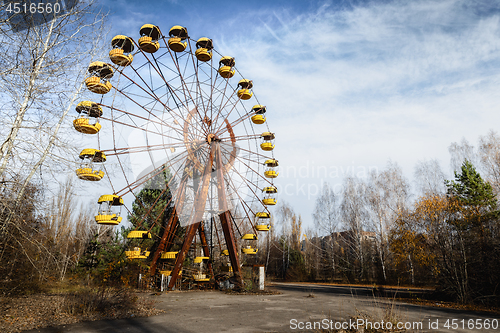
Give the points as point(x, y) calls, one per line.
point(37, 311)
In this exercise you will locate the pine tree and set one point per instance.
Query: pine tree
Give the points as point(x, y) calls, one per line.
point(473, 195)
point(474, 236)
point(151, 209)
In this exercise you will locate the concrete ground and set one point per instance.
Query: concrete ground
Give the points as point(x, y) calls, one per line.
point(297, 308)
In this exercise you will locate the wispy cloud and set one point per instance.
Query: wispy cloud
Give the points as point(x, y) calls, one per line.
point(351, 86)
point(397, 80)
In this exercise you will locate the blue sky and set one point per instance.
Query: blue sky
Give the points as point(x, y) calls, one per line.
point(350, 85)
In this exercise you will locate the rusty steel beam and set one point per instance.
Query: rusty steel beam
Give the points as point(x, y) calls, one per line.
point(204, 244)
point(194, 220)
point(170, 238)
point(225, 219)
point(172, 221)
point(171, 226)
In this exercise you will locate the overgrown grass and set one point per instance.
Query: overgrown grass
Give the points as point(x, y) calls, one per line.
point(66, 307)
point(383, 320)
point(103, 301)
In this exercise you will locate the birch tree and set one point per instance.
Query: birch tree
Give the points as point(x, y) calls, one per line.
point(42, 78)
point(459, 152)
point(387, 197)
point(489, 155)
point(354, 217)
point(42, 72)
point(327, 221)
point(429, 178)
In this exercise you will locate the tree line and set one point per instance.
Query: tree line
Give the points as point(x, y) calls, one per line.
point(44, 229)
point(385, 230)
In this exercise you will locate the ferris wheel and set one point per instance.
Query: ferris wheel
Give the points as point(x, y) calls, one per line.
point(173, 103)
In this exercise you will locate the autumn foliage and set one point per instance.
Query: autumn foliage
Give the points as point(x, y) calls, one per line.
point(453, 238)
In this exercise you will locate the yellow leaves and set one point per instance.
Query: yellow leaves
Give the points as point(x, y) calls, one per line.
point(411, 237)
point(124, 280)
point(431, 207)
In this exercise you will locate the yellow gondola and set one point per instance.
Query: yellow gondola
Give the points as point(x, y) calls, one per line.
point(199, 260)
point(249, 250)
point(87, 109)
point(271, 168)
point(248, 241)
point(200, 276)
point(267, 141)
point(226, 65)
point(120, 54)
point(262, 227)
point(98, 81)
point(244, 93)
point(262, 223)
point(88, 170)
point(132, 254)
point(149, 38)
point(249, 237)
point(259, 118)
point(107, 214)
point(177, 35)
point(139, 234)
point(204, 48)
point(169, 255)
point(269, 201)
point(168, 272)
point(137, 253)
point(269, 195)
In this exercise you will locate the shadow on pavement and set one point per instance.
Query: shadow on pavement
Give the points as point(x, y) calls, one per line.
point(129, 325)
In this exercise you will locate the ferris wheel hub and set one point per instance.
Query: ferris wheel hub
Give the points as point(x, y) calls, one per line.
point(211, 137)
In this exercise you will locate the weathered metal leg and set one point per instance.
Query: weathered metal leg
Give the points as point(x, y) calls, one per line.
point(169, 230)
point(170, 238)
point(179, 260)
point(225, 220)
point(194, 220)
point(204, 244)
point(172, 225)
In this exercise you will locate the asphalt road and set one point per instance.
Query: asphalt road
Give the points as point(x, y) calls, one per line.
point(297, 308)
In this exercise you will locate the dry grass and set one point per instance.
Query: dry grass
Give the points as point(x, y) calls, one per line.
point(42, 310)
point(386, 312)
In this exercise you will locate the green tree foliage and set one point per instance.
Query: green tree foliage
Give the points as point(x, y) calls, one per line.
point(474, 195)
point(103, 262)
point(476, 236)
point(151, 209)
point(457, 235)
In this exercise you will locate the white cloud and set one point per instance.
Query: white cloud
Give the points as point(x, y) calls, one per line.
point(396, 81)
point(348, 89)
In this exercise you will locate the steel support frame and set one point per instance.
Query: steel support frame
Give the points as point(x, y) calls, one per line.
point(225, 219)
point(171, 227)
point(204, 244)
point(194, 220)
